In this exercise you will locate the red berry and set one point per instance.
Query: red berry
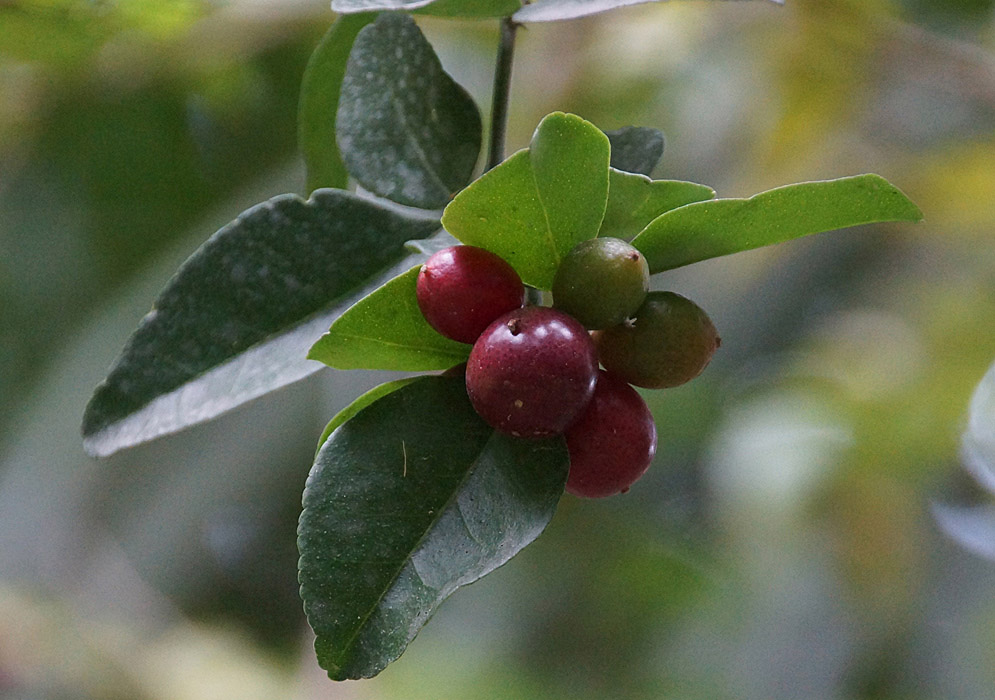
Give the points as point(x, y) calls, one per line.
point(613, 441)
point(532, 372)
point(462, 289)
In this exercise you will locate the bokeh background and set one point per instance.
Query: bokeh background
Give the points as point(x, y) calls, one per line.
point(784, 543)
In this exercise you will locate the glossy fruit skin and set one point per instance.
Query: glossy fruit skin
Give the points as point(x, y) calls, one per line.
point(462, 289)
point(601, 282)
point(532, 372)
point(613, 441)
point(669, 341)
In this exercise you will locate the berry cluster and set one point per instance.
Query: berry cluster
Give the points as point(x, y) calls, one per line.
point(534, 371)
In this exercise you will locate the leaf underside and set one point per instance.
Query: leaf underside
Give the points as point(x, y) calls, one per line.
point(236, 319)
point(386, 330)
point(408, 500)
point(555, 10)
point(406, 130)
point(722, 226)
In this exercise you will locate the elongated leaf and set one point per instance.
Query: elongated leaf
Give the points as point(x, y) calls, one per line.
point(533, 208)
point(319, 103)
point(236, 320)
point(407, 501)
point(636, 149)
point(407, 131)
point(553, 10)
point(442, 8)
point(723, 226)
point(386, 330)
point(359, 404)
point(635, 200)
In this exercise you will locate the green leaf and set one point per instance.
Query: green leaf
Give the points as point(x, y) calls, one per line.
point(319, 102)
point(635, 200)
point(386, 330)
point(636, 149)
point(554, 10)
point(359, 404)
point(471, 8)
point(407, 131)
point(407, 501)
point(723, 226)
point(442, 8)
point(533, 208)
point(238, 317)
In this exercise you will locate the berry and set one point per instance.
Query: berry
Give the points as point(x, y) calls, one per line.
point(601, 282)
point(532, 372)
point(613, 441)
point(461, 289)
point(668, 342)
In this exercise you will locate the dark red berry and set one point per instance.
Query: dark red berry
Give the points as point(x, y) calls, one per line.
point(613, 441)
point(462, 289)
point(532, 372)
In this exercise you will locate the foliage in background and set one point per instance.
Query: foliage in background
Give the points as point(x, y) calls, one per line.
point(915, 312)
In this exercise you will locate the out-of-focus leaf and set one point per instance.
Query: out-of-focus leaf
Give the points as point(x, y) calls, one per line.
point(319, 103)
point(635, 200)
point(636, 149)
point(442, 8)
point(972, 527)
point(553, 10)
point(407, 131)
point(359, 404)
point(237, 318)
point(533, 208)
point(407, 501)
point(386, 330)
point(722, 226)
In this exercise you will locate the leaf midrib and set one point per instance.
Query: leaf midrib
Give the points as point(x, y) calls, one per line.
point(407, 559)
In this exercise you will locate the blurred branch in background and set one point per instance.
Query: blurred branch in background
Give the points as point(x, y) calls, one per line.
point(781, 546)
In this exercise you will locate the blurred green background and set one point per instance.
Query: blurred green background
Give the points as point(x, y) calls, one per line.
point(782, 545)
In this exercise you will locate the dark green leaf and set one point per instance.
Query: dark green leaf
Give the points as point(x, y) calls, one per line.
point(359, 404)
point(536, 206)
point(553, 10)
point(319, 102)
point(442, 8)
point(635, 200)
point(386, 330)
point(407, 501)
point(407, 131)
point(636, 149)
point(723, 226)
point(238, 317)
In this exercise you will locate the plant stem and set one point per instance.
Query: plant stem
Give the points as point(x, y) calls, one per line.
point(502, 92)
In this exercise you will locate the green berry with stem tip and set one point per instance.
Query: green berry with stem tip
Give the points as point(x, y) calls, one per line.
point(601, 282)
point(669, 341)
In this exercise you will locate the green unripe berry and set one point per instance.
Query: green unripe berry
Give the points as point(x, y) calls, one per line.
point(669, 341)
point(601, 282)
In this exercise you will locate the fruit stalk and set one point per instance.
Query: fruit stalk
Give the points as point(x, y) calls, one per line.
point(502, 92)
